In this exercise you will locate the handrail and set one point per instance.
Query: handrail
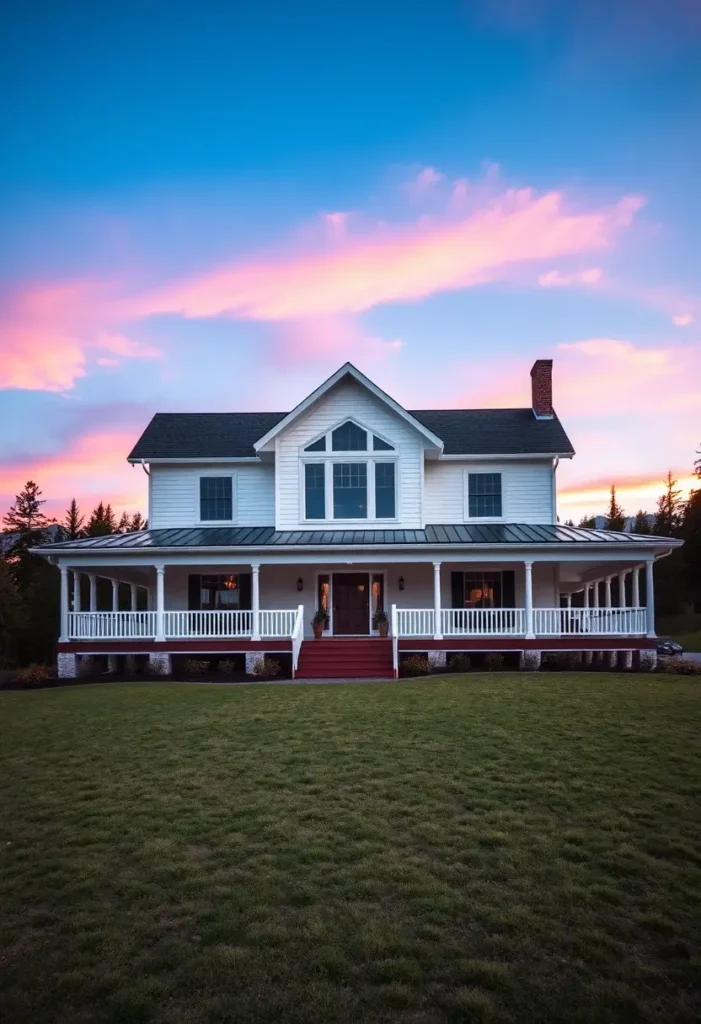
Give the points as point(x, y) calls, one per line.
point(395, 640)
point(297, 637)
point(483, 621)
point(596, 621)
point(111, 625)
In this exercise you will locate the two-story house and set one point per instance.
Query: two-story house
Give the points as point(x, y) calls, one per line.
point(350, 506)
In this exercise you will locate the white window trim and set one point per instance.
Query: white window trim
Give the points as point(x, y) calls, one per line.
point(503, 518)
point(234, 498)
point(337, 570)
point(369, 450)
point(328, 459)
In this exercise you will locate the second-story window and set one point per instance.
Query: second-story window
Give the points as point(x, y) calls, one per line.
point(360, 484)
point(484, 495)
point(350, 490)
point(216, 498)
point(315, 490)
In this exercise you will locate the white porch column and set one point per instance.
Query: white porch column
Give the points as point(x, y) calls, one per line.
point(76, 591)
point(160, 602)
point(607, 591)
point(595, 584)
point(255, 601)
point(586, 594)
point(636, 587)
point(115, 595)
point(64, 604)
point(93, 591)
point(622, 588)
point(134, 597)
point(529, 600)
point(650, 592)
point(569, 601)
point(437, 623)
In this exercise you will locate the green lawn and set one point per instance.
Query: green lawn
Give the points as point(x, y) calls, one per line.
point(501, 847)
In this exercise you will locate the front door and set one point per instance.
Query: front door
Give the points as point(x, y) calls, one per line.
point(351, 603)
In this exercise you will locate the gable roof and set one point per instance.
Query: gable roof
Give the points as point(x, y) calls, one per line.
point(348, 370)
point(232, 435)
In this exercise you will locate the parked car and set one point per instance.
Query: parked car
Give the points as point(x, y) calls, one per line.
point(669, 648)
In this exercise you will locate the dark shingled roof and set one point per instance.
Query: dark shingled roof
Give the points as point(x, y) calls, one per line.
point(268, 536)
point(218, 435)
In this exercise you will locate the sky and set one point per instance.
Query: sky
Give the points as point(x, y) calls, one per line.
point(213, 206)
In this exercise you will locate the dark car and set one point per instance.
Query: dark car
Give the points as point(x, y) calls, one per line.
point(669, 648)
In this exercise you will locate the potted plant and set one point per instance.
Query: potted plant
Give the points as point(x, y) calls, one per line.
point(381, 622)
point(319, 622)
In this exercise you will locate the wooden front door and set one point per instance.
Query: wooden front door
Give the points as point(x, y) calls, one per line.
point(351, 603)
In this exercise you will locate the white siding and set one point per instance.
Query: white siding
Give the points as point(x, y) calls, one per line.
point(527, 490)
point(174, 494)
point(348, 400)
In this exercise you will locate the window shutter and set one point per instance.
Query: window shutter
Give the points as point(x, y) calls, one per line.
point(457, 589)
point(245, 588)
point(194, 583)
point(508, 589)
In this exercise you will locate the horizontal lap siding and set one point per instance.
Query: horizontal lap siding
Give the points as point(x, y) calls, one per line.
point(527, 490)
point(349, 400)
point(174, 494)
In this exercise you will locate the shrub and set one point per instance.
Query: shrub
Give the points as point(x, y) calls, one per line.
point(415, 665)
point(493, 661)
point(196, 667)
point(227, 666)
point(459, 663)
point(33, 675)
point(267, 668)
point(679, 667)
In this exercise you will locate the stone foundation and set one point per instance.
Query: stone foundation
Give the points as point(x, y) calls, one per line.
point(610, 659)
point(437, 660)
point(647, 661)
point(253, 658)
point(130, 664)
point(625, 661)
point(67, 665)
point(159, 664)
point(111, 662)
point(587, 658)
point(529, 661)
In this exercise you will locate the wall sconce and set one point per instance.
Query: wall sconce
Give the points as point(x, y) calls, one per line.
point(400, 583)
point(300, 583)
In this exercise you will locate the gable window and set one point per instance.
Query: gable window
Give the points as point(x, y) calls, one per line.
point(315, 490)
point(484, 495)
point(216, 498)
point(349, 437)
point(350, 490)
point(317, 446)
point(380, 445)
point(385, 501)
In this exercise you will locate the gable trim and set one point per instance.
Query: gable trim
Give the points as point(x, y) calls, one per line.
point(348, 370)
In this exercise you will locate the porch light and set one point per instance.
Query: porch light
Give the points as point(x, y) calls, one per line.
point(400, 583)
point(300, 583)
point(230, 583)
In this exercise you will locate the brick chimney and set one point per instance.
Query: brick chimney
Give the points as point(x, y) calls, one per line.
point(542, 389)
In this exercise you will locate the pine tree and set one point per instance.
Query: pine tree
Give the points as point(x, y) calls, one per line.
point(670, 510)
point(124, 523)
point(73, 523)
point(138, 523)
point(615, 519)
point(102, 521)
point(641, 523)
point(569, 522)
point(26, 520)
point(12, 616)
point(587, 523)
point(691, 552)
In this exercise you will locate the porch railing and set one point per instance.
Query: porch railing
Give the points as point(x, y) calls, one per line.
point(277, 623)
point(111, 625)
point(207, 624)
point(483, 621)
point(415, 622)
point(599, 621)
point(297, 637)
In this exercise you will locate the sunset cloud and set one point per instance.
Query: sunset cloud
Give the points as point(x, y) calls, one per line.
point(556, 279)
point(683, 320)
point(396, 264)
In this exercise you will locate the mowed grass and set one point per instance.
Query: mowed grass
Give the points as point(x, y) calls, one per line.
point(485, 848)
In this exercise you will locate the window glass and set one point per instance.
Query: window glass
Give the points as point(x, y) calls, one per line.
point(225, 592)
point(484, 495)
point(314, 490)
point(350, 490)
point(349, 437)
point(379, 445)
point(378, 593)
point(215, 497)
point(482, 589)
point(317, 446)
point(385, 504)
point(322, 601)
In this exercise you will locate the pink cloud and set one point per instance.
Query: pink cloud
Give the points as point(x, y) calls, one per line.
point(683, 320)
point(396, 264)
point(126, 347)
point(425, 182)
point(331, 340)
point(556, 279)
point(90, 468)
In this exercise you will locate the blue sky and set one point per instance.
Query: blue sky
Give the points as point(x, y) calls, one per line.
point(213, 206)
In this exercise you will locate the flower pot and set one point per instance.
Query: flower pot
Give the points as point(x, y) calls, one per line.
point(383, 628)
point(318, 628)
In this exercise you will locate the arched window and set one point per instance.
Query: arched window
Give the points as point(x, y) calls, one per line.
point(349, 437)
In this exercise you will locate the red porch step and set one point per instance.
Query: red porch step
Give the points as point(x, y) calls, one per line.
point(339, 658)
